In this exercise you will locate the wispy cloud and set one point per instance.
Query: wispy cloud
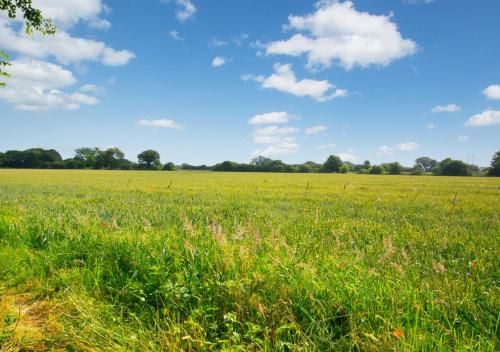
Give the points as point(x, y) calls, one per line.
point(446, 108)
point(283, 79)
point(160, 123)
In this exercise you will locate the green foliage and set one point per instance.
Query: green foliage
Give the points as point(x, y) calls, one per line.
point(332, 164)
point(150, 159)
point(394, 168)
point(376, 170)
point(170, 166)
point(344, 168)
point(426, 163)
point(449, 167)
point(495, 165)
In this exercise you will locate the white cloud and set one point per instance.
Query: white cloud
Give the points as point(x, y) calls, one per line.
point(280, 140)
point(284, 80)
point(36, 86)
point(348, 156)
point(218, 61)
point(463, 139)
point(186, 10)
point(385, 150)
point(492, 92)
point(446, 108)
point(271, 118)
point(68, 13)
point(92, 88)
point(161, 123)
point(486, 118)
point(62, 46)
point(278, 149)
point(217, 43)
point(175, 35)
point(431, 126)
point(326, 146)
point(316, 129)
point(418, 2)
point(274, 134)
point(337, 32)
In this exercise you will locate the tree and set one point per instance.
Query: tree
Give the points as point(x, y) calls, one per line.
point(169, 166)
point(111, 158)
point(149, 159)
point(394, 168)
point(344, 168)
point(87, 156)
point(426, 163)
point(33, 20)
point(449, 167)
point(332, 164)
point(376, 170)
point(495, 165)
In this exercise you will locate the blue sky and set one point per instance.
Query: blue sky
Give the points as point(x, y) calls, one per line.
point(205, 81)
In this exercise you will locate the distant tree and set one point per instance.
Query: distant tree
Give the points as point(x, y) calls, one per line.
point(366, 164)
point(332, 164)
point(150, 159)
point(33, 21)
point(169, 166)
point(449, 167)
point(304, 168)
point(111, 158)
point(376, 170)
point(87, 156)
point(495, 165)
point(394, 168)
point(226, 166)
point(344, 168)
point(426, 163)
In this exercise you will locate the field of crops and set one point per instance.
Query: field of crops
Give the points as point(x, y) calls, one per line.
point(147, 261)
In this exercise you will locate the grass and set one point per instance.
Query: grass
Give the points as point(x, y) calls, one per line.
point(148, 261)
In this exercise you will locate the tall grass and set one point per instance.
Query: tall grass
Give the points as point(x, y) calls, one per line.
point(100, 260)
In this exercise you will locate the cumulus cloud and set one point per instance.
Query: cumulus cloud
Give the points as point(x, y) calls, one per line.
point(486, 118)
point(278, 149)
point(338, 33)
point(37, 86)
point(218, 61)
point(283, 79)
point(446, 108)
point(186, 10)
point(492, 92)
point(175, 35)
point(68, 13)
point(316, 129)
point(161, 123)
point(62, 46)
point(385, 150)
point(279, 140)
point(276, 117)
point(348, 156)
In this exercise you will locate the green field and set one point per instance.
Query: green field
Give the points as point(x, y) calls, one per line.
point(147, 261)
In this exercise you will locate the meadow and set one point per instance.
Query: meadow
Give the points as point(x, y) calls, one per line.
point(200, 261)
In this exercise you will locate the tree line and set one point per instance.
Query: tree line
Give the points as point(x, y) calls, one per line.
point(114, 159)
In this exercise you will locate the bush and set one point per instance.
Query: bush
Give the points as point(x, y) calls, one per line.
point(169, 166)
point(344, 169)
point(376, 170)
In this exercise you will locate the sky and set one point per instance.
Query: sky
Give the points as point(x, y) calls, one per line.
point(205, 81)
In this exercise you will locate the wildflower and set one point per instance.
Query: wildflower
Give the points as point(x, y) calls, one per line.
point(398, 333)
